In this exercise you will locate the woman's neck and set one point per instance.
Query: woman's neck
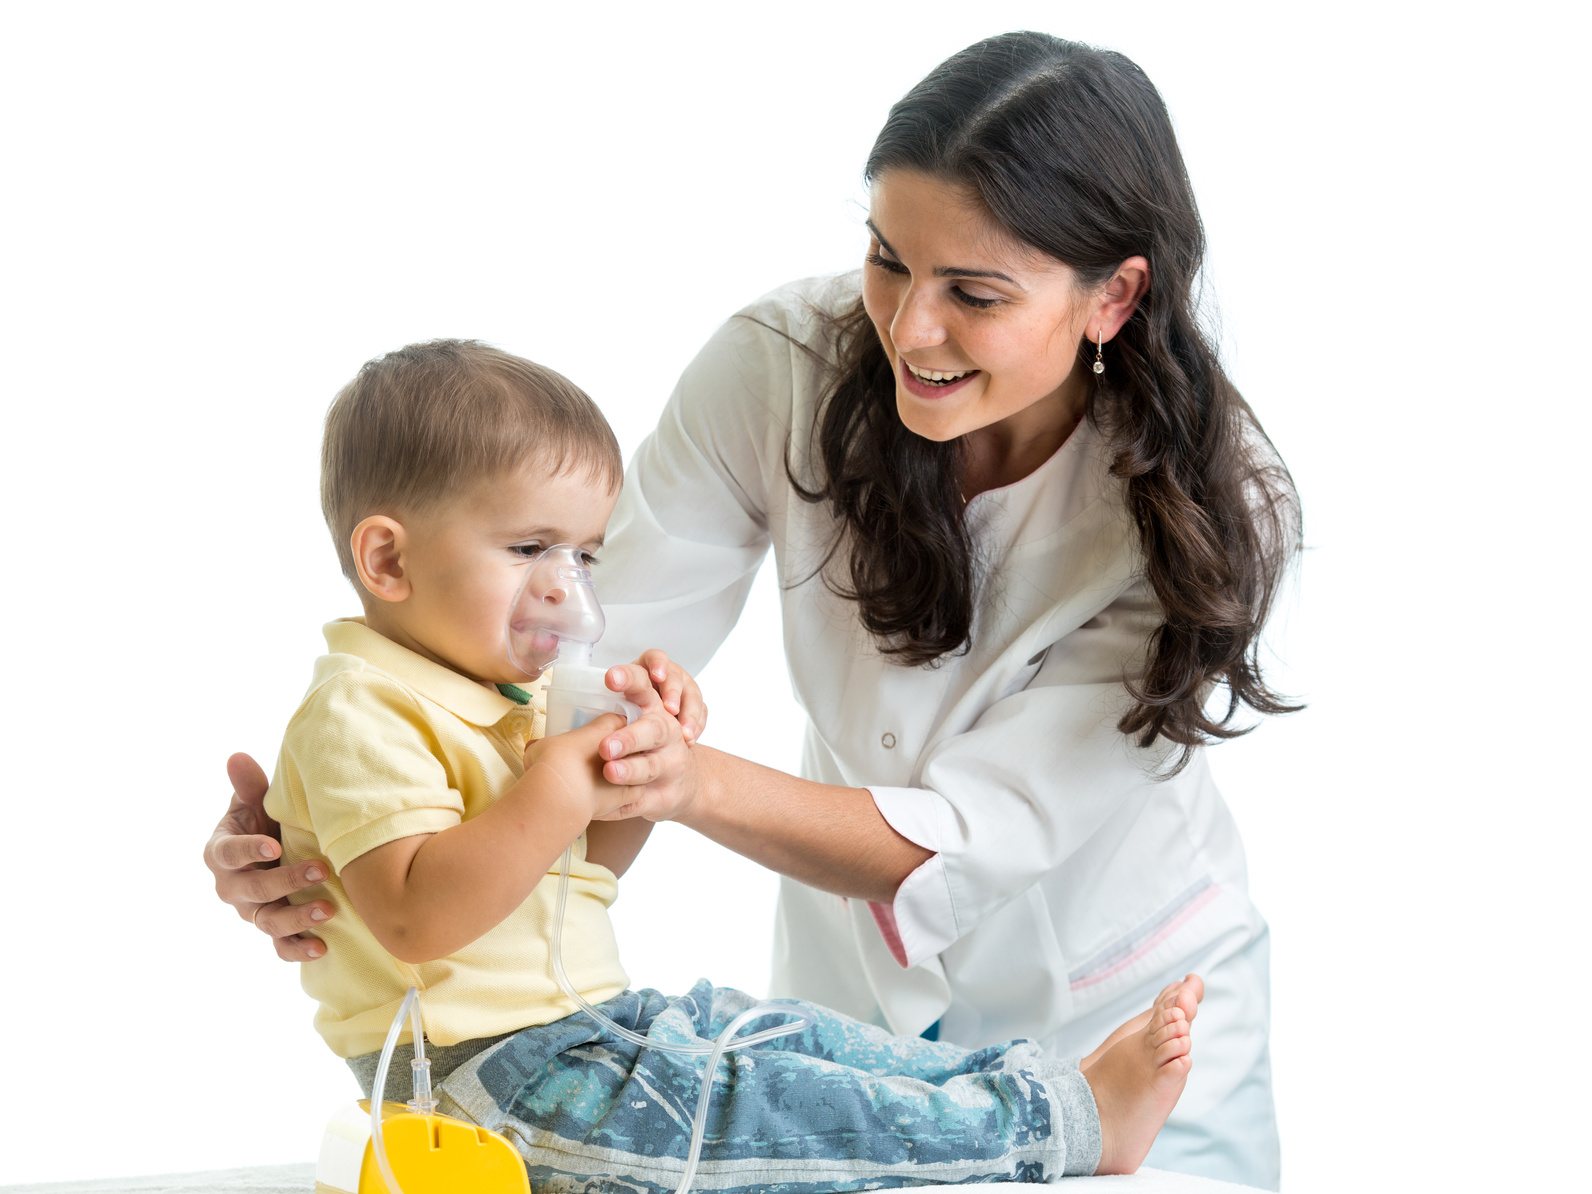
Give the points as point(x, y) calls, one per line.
point(1003, 453)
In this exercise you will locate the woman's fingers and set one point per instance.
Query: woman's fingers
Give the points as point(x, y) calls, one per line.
point(282, 919)
point(245, 890)
point(242, 854)
point(639, 769)
point(233, 852)
point(693, 711)
point(631, 681)
point(247, 777)
point(679, 692)
point(299, 949)
point(245, 836)
point(645, 733)
point(665, 677)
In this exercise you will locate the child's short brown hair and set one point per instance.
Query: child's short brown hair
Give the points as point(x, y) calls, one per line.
point(428, 421)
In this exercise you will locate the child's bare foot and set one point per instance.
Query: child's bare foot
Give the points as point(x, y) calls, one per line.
point(1138, 1074)
point(1186, 994)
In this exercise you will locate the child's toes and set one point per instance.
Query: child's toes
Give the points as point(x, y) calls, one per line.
point(1190, 991)
point(1166, 1051)
point(1168, 1032)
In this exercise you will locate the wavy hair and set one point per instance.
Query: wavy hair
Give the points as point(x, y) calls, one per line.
point(1071, 151)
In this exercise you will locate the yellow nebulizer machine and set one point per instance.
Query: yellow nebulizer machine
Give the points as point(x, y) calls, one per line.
point(398, 1148)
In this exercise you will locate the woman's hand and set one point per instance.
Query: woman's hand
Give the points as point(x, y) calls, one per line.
point(652, 756)
point(675, 687)
point(242, 854)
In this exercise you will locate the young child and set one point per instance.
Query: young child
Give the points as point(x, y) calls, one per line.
point(416, 772)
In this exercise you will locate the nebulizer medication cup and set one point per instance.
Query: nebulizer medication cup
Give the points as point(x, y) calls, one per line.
point(555, 622)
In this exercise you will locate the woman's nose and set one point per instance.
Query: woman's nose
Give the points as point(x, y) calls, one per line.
point(917, 323)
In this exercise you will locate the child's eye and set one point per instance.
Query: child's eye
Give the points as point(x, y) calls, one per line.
point(588, 558)
point(527, 551)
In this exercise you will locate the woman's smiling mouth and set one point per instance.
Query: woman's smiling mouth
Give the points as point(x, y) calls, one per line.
point(932, 383)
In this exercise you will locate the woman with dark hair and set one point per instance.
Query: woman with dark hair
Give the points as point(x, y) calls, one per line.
point(1028, 534)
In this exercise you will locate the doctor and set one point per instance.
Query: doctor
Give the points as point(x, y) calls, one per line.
point(1027, 534)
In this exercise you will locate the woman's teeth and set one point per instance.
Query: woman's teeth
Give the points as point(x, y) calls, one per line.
point(935, 376)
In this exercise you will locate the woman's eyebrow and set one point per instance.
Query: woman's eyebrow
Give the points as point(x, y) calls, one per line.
point(945, 271)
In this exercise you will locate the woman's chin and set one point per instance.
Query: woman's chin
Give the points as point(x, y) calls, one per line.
point(931, 420)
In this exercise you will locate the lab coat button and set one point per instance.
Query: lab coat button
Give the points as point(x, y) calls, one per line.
point(888, 741)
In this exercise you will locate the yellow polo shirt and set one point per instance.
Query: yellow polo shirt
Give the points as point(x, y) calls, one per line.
point(385, 745)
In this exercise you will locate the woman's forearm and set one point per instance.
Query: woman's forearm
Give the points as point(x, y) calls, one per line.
point(826, 836)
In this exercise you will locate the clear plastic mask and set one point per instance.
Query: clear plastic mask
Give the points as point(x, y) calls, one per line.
point(555, 611)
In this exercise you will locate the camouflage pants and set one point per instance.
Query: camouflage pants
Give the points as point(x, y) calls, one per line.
point(839, 1106)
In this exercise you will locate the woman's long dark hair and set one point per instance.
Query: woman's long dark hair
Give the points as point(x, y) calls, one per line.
point(1071, 150)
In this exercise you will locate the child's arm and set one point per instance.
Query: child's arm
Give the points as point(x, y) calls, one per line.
point(615, 844)
point(427, 896)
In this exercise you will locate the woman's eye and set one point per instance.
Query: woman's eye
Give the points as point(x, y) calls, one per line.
point(884, 263)
point(972, 300)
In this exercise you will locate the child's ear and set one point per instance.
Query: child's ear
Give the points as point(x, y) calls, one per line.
point(378, 546)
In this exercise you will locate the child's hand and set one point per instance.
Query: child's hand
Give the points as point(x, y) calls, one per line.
point(676, 688)
point(651, 757)
point(574, 757)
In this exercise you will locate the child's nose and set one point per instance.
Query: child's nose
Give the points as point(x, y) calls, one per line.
point(555, 596)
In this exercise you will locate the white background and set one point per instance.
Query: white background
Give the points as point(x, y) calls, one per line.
point(212, 214)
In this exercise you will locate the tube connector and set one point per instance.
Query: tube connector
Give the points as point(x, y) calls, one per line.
point(420, 1067)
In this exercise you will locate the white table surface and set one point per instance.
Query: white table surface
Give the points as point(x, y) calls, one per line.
point(300, 1179)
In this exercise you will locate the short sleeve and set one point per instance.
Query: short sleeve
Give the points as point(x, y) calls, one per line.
point(366, 761)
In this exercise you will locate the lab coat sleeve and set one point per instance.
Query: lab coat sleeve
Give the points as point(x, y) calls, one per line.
point(691, 526)
point(1011, 798)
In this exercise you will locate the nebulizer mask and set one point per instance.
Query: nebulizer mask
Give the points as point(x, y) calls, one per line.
point(554, 622)
point(555, 618)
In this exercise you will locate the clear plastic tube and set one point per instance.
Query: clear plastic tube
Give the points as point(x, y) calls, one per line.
point(421, 1103)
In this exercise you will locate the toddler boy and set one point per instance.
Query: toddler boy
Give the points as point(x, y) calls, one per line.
point(416, 772)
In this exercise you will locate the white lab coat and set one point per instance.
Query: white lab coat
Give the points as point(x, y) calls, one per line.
point(1068, 882)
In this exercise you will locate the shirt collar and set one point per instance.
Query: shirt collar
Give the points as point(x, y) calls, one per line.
point(459, 695)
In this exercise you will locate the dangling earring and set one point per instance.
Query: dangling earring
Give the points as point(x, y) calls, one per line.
point(1099, 365)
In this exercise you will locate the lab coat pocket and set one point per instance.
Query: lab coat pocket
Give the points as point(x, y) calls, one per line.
point(1009, 978)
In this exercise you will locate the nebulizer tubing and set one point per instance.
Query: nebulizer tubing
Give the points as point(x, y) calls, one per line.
point(555, 617)
point(422, 1103)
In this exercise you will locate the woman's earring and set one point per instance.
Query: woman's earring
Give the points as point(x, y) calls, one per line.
point(1099, 365)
